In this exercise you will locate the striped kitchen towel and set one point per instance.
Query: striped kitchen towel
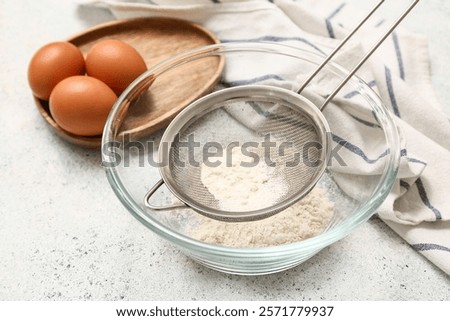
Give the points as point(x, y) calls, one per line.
point(418, 208)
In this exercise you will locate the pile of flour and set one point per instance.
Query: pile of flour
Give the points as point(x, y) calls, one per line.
point(240, 184)
point(243, 188)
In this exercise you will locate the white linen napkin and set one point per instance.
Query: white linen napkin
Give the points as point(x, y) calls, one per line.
point(418, 205)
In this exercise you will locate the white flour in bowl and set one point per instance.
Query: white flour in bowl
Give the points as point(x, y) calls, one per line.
point(243, 188)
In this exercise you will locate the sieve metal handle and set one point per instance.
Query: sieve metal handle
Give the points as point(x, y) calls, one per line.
point(152, 191)
point(338, 48)
point(371, 51)
point(364, 59)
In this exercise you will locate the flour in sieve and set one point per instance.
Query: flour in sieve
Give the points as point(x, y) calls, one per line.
point(240, 188)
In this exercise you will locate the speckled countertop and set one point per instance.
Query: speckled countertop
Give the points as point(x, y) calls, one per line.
point(64, 235)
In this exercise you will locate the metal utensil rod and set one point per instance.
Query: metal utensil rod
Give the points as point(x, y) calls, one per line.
point(367, 56)
point(341, 44)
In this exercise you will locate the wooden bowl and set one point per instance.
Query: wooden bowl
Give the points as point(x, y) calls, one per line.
point(156, 39)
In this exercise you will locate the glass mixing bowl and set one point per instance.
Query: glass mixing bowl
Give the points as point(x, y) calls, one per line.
point(129, 148)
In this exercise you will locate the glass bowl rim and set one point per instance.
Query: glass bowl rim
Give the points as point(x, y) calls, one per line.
point(315, 243)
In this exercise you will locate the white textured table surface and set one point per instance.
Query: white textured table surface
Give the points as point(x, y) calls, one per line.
point(64, 234)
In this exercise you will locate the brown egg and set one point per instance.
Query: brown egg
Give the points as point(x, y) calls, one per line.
point(81, 104)
point(114, 62)
point(51, 64)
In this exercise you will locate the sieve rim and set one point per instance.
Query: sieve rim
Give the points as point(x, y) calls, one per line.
point(193, 112)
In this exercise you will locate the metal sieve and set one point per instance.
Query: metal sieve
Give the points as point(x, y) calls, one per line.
point(251, 118)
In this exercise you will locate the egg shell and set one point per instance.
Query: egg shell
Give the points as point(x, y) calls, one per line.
point(81, 104)
point(114, 62)
point(51, 64)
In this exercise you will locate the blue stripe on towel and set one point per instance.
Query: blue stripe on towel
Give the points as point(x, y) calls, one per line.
point(365, 122)
point(356, 150)
point(390, 88)
point(258, 110)
point(380, 23)
point(356, 92)
point(331, 16)
point(329, 28)
point(275, 39)
point(404, 153)
point(424, 197)
point(398, 53)
point(429, 246)
point(404, 184)
point(415, 160)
